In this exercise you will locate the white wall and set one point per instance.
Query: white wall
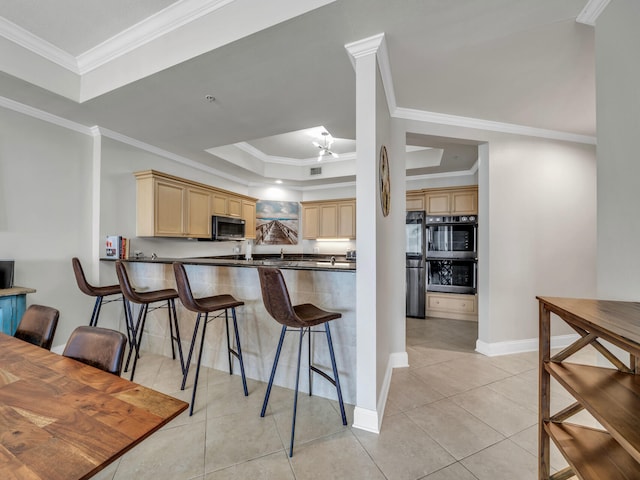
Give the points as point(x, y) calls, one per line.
point(618, 118)
point(537, 233)
point(45, 212)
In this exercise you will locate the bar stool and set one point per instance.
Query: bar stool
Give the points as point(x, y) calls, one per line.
point(94, 291)
point(275, 297)
point(145, 299)
point(207, 305)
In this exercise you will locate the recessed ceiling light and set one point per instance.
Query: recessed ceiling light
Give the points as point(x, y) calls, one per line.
point(278, 181)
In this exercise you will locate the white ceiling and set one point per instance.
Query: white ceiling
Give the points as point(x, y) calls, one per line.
point(143, 69)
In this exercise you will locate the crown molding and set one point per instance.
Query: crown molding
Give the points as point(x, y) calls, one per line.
point(265, 158)
point(149, 29)
point(45, 116)
point(171, 156)
point(37, 45)
point(489, 125)
point(591, 12)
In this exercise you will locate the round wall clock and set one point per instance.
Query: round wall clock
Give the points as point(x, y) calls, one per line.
point(385, 186)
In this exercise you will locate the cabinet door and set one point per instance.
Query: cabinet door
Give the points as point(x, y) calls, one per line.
point(169, 211)
point(249, 217)
point(347, 220)
point(234, 207)
point(219, 204)
point(464, 202)
point(198, 213)
point(328, 221)
point(438, 203)
point(415, 202)
point(310, 222)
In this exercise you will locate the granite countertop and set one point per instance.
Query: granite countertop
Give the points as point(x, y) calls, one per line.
point(290, 261)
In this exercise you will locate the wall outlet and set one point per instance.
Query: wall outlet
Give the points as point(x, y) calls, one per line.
point(236, 249)
point(316, 250)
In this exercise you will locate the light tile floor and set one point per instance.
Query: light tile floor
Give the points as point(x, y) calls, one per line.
point(452, 415)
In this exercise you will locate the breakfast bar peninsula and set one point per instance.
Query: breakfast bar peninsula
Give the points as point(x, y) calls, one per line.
point(326, 281)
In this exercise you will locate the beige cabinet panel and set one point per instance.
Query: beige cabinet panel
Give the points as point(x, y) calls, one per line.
point(198, 213)
point(415, 202)
point(219, 204)
point(438, 203)
point(169, 209)
point(249, 217)
point(347, 219)
point(310, 221)
point(234, 207)
point(464, 202)
point(329, 221)
point(452, 305)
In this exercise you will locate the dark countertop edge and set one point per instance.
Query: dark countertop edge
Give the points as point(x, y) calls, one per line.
point(308, 264)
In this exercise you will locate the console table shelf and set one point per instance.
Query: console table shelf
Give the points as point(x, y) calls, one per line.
point(611, 395)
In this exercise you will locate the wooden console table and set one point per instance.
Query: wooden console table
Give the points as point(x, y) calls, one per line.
point(13, 302)
point(611, 395)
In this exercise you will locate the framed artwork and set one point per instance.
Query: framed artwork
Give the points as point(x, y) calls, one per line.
point(277, 223)
point(385, 185)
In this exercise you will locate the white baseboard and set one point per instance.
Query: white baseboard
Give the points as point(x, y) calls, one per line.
point(520, 346)
point(371, 420)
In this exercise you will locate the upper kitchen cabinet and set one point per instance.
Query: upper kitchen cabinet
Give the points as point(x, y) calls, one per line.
point(329, 219)
point(226, 205)
point(169, 206)
point(249, 217)
point(445, 201)
point(415, 201)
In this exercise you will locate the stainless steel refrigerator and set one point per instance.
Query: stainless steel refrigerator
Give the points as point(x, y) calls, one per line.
point(416, 264)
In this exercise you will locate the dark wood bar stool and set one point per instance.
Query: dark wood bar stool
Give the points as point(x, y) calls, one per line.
point(94, 291)
point(300, 318)
point(205, 306)
point(144, 299)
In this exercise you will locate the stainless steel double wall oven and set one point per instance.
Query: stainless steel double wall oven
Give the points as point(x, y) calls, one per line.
point(452, 253)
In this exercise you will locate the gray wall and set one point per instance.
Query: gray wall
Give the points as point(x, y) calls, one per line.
point(618, 118)
point(45, 212)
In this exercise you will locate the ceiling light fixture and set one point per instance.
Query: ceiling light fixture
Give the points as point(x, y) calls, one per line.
point(325, 149)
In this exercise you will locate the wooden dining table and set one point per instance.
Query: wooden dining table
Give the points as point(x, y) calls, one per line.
point(62, 419)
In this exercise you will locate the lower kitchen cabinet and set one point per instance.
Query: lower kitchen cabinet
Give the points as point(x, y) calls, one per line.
point(454, 306)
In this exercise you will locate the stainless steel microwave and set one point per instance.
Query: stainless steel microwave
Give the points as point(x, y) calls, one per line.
point(227, 228)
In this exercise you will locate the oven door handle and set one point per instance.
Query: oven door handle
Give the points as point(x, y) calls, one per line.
point(475, 238)
point(475, 275)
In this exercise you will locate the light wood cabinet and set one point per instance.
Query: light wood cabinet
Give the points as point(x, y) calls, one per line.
point(249, 217)
point(454, 306)
point(168, 206)
point(610, 395)
point(329, 219)
point(445, 201)
point(415, 201)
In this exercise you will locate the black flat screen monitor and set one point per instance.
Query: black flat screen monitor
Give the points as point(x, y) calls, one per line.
point(6, 273)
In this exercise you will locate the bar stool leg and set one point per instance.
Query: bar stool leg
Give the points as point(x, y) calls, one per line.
point(142, 319)
point(295, 398)
point(177, 338)
point(195, 383)
point(185, 373)
point(309, 366)
point(226, 324)
point(335, 373)
point(239, 350)
point(171, 335)
point(273, 371)
point(96, 312)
